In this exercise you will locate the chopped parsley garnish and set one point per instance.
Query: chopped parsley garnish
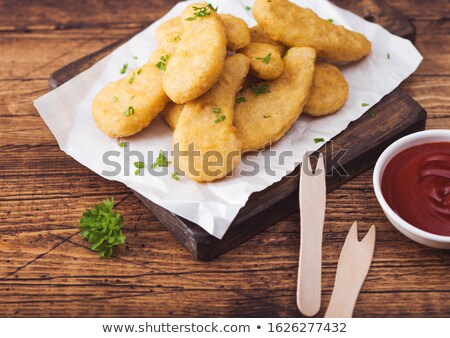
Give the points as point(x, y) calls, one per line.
point(388, 56)
point(124, 69)
point(266, 59)
point(201, 12)
point(161, 161)
point(132, 78)
point(319, 140)
point(330, 20)
point(129, 111)
point(219, 118)
point(122, 144)
point(115, 99)
point(139, 166)
point(101, 227)
point(262, 89)
point(161, 65)
point(177, 38)
point(175, 176)
point(364, 104)
point(372, 114)
point(241, 99)
point(139, 71)
point(248, 8)
point(267, 116)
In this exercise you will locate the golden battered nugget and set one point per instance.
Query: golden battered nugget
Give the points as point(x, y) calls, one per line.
point(295, 26)
point(265, 60)
point(128, 105)
point(267, 110)
point(199, 57)
point(172, 113)
point(258, 35)
point(169, 33)
point(238, 34)
point(207, 123)
point(329, 90)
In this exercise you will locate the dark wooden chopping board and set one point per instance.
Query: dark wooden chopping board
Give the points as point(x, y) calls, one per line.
point(395, 115)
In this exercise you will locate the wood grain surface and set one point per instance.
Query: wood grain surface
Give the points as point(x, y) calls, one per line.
point(46, 269)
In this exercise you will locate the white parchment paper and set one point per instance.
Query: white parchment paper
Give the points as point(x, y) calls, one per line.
point(67, 112)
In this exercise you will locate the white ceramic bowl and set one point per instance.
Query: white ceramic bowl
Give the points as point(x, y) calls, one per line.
point(407, 229)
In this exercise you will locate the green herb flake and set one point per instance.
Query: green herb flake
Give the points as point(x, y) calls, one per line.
point(319, 140)
point(266, 59)
point(161, 65)
point(201, 12)
point(161, 161)
point(218, 118)
point(330, 20)
point(122, 144)
point(133, 76)
point(101, 227)
point(135, 57)
point(248, 8)
point(175, 176)
point(139, 72)
point(372, 114)
point(267, 116)
point(115, 99)
point(241, 99)
point(139, 166)
point(262, 89)
point(129, 111)
point(124, 69)
point(364, 104)
point(177, 38)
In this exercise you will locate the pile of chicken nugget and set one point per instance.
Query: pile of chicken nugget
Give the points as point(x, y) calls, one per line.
point(226, 89)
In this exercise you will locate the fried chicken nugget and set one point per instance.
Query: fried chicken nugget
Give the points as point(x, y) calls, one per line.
point(207, 123)
point(295, 26)
point(172, 113)
point(258, 35)
point(270, 108)
point(169, 33)
point(200, 55)
point(265, 60)
point(329, 90)
point(128, 105)
point(238, 34)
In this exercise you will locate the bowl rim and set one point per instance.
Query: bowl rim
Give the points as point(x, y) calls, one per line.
point(380, 165)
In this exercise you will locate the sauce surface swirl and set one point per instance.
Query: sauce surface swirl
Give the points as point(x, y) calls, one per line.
point(416, 185)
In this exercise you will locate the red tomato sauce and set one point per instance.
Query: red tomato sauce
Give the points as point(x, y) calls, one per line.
point(416, 185)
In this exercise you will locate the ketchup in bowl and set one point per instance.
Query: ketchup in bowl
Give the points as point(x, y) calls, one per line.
point(416, 185)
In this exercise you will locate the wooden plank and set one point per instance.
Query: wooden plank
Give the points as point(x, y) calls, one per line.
point(267, 207)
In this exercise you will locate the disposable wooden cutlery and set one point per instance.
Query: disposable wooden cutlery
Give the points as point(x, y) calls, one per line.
point(353, 266)
point(312, 215)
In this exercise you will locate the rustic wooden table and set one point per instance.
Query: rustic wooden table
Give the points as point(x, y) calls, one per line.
point(46, 269)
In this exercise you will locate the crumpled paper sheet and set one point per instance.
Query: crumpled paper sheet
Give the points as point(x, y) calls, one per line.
point(213, 206)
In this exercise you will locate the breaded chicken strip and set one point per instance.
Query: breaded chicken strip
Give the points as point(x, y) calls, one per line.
point(295, 26)
point(207, 124)
point(199, 57)
point(128, 105)
point(269, 109)
point(329, 91)
point(238, 34)
point(265, 60)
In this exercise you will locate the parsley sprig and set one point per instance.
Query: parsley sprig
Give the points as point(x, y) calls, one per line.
point(241, 99)
point(161, 65)
point(101, 227)
point(262, 89)
point(266, 59)
point(201, 12)
point(161, 161)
